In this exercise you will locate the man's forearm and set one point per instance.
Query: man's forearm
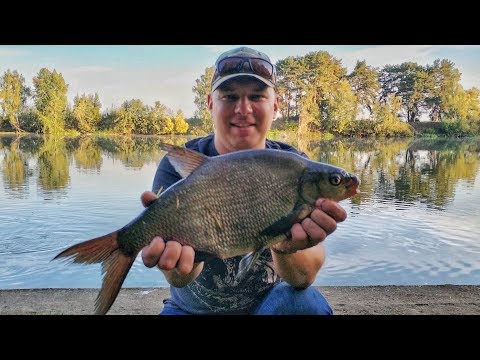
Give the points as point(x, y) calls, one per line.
point(300, 268)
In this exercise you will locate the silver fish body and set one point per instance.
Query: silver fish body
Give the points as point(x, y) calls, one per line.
point(224, 206)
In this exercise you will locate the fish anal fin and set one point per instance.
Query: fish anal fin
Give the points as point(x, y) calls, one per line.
point(184, 160)
point(246, 263)
point(284, 224)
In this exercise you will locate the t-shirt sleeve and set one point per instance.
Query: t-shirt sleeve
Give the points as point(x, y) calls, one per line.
point(165, 176)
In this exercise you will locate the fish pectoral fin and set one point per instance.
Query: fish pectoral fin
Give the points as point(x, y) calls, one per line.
point(202, 256)
point(246, 263)
point(285, 223)
point(184, 160)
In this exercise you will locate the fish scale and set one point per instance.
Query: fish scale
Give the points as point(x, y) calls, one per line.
point(239, 224)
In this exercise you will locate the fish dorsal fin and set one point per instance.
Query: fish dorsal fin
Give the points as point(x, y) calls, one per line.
point(184, 160)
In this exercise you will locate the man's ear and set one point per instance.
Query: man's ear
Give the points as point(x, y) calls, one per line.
point(275, 106)
point(209, 102)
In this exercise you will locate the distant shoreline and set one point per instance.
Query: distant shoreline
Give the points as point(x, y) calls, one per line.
point(345, 300)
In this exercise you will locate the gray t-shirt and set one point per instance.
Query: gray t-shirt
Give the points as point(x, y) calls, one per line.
point(216, 290)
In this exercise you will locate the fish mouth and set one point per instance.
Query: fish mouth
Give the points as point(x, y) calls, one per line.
point(352, 182)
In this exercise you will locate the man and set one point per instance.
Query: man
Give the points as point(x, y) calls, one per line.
point(243, 104)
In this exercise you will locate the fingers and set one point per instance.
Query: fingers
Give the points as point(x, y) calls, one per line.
point(177, 256)
point(315, 228)
point(332, 208)
point(148, 198)
point(185, 262)
point(306, 234)
point(168, 256)
point(320, 224)
point(151, 253)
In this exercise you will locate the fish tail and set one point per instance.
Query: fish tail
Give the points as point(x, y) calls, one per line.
point(115, 265)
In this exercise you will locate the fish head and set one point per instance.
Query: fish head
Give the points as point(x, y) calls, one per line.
point(327, 181)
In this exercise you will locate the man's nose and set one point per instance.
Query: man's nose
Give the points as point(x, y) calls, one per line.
point(243, 106)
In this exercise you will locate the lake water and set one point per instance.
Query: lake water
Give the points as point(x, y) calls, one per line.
point(415, 222)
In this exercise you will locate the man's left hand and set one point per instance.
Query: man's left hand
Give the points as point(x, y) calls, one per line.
point(313, 229)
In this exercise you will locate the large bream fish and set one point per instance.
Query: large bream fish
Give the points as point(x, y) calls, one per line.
point(234, 204)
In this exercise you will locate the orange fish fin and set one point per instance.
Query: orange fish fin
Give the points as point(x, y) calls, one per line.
point(115, 265)
point(184, 160)
point(115, 268)
point(91, 251)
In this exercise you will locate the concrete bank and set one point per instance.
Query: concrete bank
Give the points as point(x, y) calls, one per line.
point(345, 300)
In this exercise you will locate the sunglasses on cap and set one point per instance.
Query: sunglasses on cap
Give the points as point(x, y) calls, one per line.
point(235, 65)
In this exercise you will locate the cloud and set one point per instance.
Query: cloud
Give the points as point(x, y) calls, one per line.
point(91, 69)
point(378, 56)
point(11, 52)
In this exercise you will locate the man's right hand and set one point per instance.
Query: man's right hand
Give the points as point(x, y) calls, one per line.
point(166, 255)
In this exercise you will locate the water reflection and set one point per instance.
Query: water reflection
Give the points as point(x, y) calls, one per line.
point(53, 171)
point(414, 221)
point(87, 154)
point(426, 171)
point(51, 157)
point(14, 168)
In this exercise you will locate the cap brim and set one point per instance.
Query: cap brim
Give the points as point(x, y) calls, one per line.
point(220, 81)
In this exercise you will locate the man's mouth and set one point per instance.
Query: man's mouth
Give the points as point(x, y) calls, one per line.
point(242, 125)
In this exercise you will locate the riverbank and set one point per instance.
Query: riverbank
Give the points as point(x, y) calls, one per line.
point(345, 300)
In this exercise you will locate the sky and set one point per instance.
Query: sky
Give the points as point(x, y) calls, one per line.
point(167, 73)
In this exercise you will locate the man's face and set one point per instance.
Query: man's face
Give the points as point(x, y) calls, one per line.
point(242, 111)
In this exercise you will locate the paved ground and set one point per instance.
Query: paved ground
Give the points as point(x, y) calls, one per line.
point(345, 300)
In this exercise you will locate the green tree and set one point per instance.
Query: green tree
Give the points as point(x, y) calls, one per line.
point(51, 100)
point(341, 108)
point(201, 90)
point(160, 118)
point(13, 95)
point(387, 122)
point(321, 83)
point(29, 120)
point(289, 87)
point(445, 83)
point(86, 112)
point(180, 125)
point(309, 112)
point(132, 117)
point(409, 81)
point(365, 85)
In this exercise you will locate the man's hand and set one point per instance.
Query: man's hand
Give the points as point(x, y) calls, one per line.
point(166, 255)
point(313, 229)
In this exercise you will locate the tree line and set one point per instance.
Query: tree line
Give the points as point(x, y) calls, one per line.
point(51, 113)
point(317, 95)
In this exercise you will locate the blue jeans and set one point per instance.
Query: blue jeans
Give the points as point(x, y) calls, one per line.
point(283, 299)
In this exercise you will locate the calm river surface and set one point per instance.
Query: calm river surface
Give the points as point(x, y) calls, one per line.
point(416, 221)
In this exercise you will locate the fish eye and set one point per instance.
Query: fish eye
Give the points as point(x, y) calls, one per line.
point(335, 179)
